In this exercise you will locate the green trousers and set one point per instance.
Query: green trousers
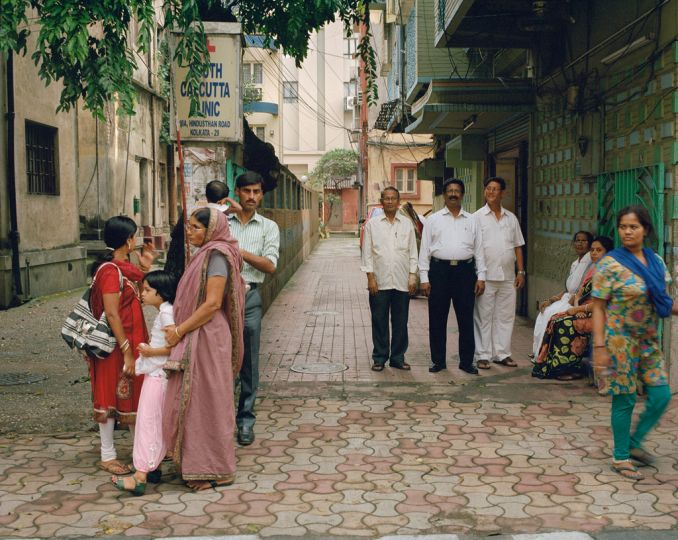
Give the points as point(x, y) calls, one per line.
point(658, 398)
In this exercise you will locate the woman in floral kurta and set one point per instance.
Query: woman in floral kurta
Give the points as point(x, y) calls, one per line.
point(626, 343)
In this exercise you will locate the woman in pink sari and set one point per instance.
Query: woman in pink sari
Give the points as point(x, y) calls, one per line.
point(199, 414)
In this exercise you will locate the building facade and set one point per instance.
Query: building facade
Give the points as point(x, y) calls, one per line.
point(62, 175)
point(573, 103)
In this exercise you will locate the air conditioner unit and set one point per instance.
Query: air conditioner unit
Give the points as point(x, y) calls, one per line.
point(349, 103)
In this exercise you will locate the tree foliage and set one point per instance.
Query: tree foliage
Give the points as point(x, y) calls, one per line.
point(87, 45)
point(333, 167)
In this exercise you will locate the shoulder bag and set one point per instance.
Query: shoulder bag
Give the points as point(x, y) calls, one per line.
point(82, 331)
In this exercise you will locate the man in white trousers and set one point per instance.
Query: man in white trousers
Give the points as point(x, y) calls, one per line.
point(495, 311)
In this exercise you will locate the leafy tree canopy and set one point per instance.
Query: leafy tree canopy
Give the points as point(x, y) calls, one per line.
point(333, 167)
point(86, 44)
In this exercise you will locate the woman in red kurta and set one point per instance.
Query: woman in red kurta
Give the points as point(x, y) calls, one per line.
point(115, 388)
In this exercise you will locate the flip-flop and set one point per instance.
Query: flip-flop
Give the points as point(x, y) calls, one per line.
point(211, 484)
point(569, 377)
point(115, 466)
point(507, 362)
point(483, 364)
point(627, 470)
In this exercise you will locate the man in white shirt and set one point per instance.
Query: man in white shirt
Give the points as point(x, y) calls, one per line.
point(451, 253)
point(495, 310)
point(259, 240)
point(389, 258)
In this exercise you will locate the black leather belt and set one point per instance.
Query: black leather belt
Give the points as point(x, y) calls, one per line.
point(253, 286)
point(452, 262)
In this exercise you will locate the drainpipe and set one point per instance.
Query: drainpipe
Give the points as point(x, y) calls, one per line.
point(11, 185)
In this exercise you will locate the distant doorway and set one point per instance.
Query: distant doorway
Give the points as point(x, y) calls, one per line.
point(511, 165)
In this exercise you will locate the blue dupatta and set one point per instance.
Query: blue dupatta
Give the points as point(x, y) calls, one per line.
point(652, 274)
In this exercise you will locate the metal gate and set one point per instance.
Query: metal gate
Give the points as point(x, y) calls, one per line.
point(643, 186)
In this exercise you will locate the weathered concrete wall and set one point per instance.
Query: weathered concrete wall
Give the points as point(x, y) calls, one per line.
point(48, 224)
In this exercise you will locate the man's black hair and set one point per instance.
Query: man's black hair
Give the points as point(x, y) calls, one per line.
point(454, 181)
point(249, 178)
point(497, 179)
point(215, 191)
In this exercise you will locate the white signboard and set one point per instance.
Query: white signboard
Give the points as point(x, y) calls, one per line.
point(219, 91)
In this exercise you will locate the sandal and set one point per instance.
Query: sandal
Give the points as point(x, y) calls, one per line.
point(507, 362)
point(154, 477)
point(627, 470)
point(483, 364)
point(202, 485)
point(642, 456)
point(115, 466)
point(569, 377)
point(139, 488)
point(378, 367)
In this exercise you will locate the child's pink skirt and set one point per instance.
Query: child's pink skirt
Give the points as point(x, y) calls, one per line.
point(149, 446)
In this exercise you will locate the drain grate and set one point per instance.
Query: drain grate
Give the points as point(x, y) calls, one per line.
point(319, 368)
point(321, 313)
point(13, 379)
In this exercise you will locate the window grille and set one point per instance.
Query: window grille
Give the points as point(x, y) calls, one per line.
point(41, 159)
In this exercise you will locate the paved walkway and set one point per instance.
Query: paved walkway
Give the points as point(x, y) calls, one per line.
point(363, 454)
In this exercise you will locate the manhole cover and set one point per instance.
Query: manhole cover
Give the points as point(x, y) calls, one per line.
point(11, 379)
point(319, 368)
point(321, 313)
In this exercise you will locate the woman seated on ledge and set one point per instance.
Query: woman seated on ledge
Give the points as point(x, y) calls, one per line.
point(560, 302)
point(568, 333)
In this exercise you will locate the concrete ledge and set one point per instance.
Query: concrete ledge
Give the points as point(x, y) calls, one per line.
point(45, 256)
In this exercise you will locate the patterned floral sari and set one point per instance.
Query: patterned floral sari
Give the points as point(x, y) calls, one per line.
point(566, 340)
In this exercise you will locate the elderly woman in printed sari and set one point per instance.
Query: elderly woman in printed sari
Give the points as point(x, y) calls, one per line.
point(562, 301)
point(199, 414)
point(567, 336)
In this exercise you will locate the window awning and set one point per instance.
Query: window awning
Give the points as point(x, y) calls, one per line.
point(470, 106)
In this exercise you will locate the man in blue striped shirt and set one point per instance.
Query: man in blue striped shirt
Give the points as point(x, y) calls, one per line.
point(259, 240)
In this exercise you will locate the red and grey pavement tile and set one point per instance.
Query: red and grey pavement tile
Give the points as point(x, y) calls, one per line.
point(363, 454)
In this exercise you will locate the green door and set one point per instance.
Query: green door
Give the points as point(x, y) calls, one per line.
point(643, 186)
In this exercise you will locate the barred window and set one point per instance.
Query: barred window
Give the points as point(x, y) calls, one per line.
point(41, 159)
point(290, 91)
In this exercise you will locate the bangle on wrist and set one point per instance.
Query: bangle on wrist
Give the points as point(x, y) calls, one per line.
point(599, 346)
point(124, 346)
point(521, 272)
point(176, 331)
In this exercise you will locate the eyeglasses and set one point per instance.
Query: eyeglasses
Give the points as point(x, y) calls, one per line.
point(493, 190)
point(581, 241)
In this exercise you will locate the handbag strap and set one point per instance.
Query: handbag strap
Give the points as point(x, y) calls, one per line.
point(105, 264)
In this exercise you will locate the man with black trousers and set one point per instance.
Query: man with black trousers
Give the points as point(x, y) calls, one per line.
point(452, 269)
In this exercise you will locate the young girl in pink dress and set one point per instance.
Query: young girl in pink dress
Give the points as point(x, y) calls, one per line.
point(149, 447)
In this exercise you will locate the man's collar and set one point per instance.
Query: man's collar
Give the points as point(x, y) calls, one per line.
point(489, 210)
point(462, 212)
point(397, 216)
point(255, 217)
